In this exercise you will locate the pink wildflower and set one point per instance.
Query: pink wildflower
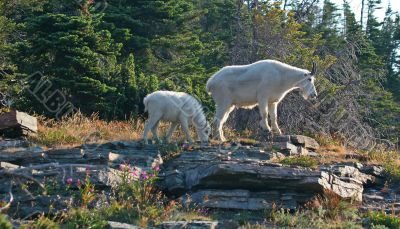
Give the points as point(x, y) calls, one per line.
point(144, 175)
point(69, 181)
point(134, 174)
point(78, 183)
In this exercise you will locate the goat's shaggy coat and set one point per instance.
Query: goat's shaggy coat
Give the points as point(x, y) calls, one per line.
point(175, 107)
point(264, 83)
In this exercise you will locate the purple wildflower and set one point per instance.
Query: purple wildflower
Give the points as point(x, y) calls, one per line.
point(144, 175)
point(69, 181)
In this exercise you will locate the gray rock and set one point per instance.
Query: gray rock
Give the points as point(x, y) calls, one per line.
point(373, 197)
point(188, 225)
point(13, 143)
point(243, 199)
point(250, 185)
point(374, 170)
point(298, 140)
point(312, 154)
point(286, 148)
point(349, 171)
point(117, 225)
point(305, 141)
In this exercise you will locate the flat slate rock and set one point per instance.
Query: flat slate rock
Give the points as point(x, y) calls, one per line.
point(299, 140)
point(217, 181)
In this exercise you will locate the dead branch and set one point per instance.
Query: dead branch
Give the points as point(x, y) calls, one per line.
point(7, 206)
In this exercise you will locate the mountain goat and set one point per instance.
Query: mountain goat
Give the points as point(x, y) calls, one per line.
point(175, 107)
point(264, 83)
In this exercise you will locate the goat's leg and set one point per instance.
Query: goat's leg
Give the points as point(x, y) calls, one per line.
point(185, 126)
point(221, 116)
point(171, 130)
point(154, 131)
point(153, 120)
point(272, 109)
point(262, 106)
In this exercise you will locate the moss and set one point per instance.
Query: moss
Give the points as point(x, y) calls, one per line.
point(303, 161)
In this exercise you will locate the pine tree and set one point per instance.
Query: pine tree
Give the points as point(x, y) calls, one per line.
point(77, 58)
point(372, 28)
point(329, 25)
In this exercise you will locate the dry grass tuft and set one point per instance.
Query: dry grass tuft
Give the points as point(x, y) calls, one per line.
point(78, 129)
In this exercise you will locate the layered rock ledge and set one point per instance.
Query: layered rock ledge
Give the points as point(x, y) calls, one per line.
point(245, 179)
point(219, 176)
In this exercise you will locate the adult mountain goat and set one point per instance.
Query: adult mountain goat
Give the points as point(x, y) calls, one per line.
point(264, 83)
point(175, 107)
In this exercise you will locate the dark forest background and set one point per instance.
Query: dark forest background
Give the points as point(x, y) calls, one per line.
point(105, 56)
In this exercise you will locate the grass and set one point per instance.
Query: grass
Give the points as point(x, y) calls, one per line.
point(135, 200)
point(5, 223)
point(139, 204)
point(383, 220)
point(389, 160)
point(303, 161)
point(79, 129)
point(324, 211)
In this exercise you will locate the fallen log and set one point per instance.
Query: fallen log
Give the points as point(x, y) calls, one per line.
point(15, 124)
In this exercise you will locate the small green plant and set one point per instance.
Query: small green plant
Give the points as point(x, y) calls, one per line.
point(86, 189)
point(44, 222)
point(303, 161)
point(56, 136)
point(382, 219)
point(4, 222)
point(327, 210)
point(169, 151)
point(84, 218)
point(389, 160)
point(137, 191)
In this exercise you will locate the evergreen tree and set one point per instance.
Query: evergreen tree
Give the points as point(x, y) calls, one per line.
point(387, 44)
point(373, 25)
point(76, 57)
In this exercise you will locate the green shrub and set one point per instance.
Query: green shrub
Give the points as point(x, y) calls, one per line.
point(389, 160)
point(44, 222)
point(303, 161)
point(85, 218)
point(382, 219)
point(4, 222)
point(57, 136)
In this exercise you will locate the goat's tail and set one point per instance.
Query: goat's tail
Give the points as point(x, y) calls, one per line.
point(209, 85)
point(145, 103)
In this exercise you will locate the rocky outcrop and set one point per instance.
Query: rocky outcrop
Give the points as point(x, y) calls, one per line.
point(195, 224)
point(295, 145)
point(245, 179)
point(221, 176)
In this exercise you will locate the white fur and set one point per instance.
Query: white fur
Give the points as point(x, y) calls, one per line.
point(175, 107)
point(264, 83)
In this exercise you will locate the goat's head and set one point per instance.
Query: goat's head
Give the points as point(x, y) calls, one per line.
point(204, 133)
point(307, 86)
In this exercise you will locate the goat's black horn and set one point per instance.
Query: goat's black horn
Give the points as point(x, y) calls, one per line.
point(314, 68)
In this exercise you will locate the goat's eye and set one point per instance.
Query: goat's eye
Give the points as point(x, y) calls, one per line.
point(309, 79)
